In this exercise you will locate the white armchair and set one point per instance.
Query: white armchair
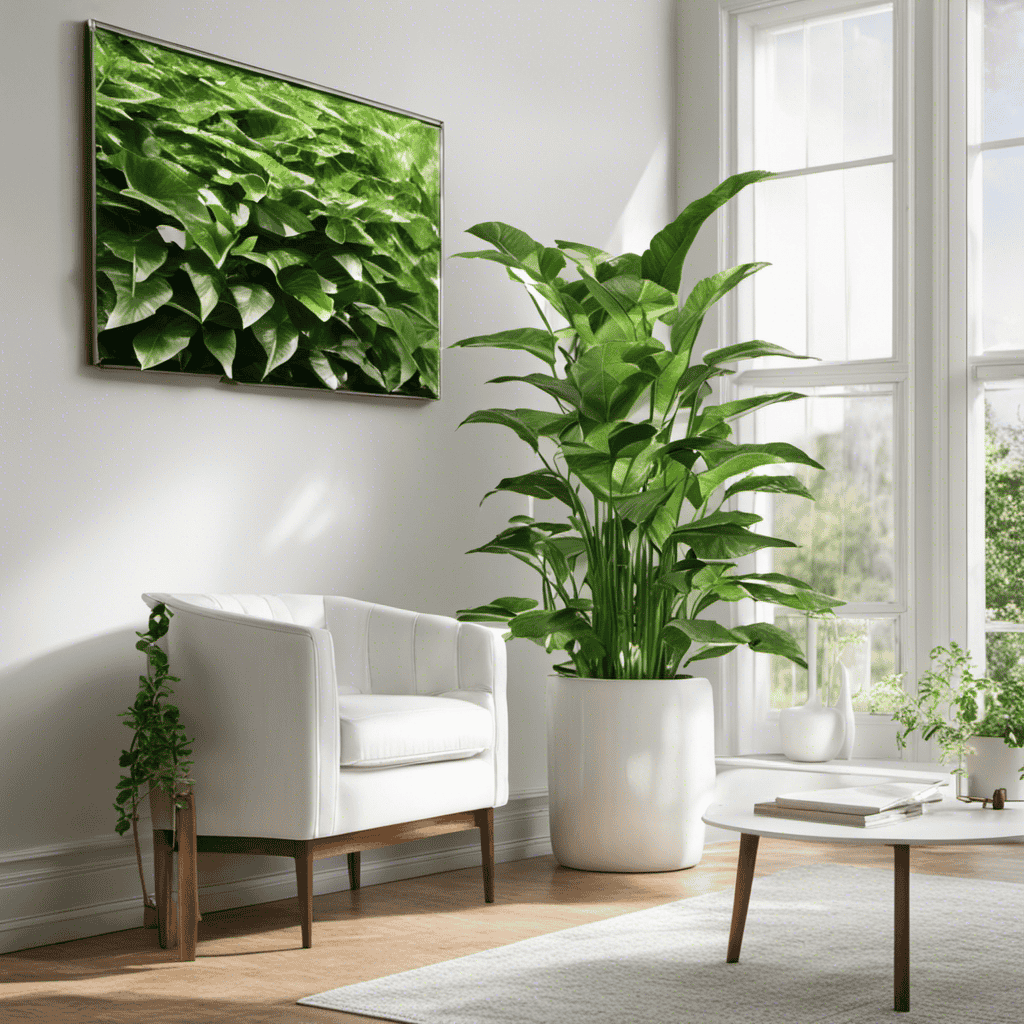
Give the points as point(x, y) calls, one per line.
point(326, 725)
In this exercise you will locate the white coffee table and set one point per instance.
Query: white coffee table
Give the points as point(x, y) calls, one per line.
point(942, 824)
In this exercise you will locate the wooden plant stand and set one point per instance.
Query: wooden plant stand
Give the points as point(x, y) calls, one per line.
point(181, 928)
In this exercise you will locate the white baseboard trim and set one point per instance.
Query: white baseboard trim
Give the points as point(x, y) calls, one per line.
point(73, 890)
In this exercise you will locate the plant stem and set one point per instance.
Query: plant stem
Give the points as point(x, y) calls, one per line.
point(138, 858)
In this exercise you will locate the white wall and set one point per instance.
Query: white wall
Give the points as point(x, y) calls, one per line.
point(558, 118)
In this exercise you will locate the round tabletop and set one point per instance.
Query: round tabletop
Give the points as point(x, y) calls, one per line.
point(945, 823)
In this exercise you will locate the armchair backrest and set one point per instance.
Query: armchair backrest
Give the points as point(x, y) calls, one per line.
point(379, 649)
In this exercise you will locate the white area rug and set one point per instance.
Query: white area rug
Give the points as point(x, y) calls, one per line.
point(817, 950)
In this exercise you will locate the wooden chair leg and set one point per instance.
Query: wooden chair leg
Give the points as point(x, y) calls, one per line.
point(163, 869)
point(188, 882)
point(485, 822)
point(741, 899)
point(304, 878)
point(353, 870)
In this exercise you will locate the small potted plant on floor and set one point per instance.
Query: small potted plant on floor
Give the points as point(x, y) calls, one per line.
point(977, 723)
point(158, 758)
point(646, 470)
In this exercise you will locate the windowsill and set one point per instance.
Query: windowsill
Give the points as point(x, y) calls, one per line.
point(909, 771)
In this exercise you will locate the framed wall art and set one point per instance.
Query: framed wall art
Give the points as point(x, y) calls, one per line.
point(258, 228)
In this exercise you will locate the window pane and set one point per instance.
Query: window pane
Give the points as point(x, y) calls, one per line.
point(846, 536)
point(823, 92)
point(1002, 288)
point(866, 646)
point(1004, 78)
point(828, 237)
point(1004, 508)
point(1004, 657)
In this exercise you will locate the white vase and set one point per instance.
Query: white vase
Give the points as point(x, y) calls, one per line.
point(845, 706)
point(994, 765)
point(631, 769)
point(811, 732)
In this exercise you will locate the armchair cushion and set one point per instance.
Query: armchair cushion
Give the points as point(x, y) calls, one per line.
point(381, 730)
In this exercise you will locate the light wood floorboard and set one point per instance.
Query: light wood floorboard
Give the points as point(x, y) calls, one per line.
point(251, 966)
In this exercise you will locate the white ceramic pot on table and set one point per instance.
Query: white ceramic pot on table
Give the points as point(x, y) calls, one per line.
point(631, 770)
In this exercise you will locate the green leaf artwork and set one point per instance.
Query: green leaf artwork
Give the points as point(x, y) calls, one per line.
point(261, 230)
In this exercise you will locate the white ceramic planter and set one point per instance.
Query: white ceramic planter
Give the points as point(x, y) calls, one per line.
point(631, 769)
point(994, 765)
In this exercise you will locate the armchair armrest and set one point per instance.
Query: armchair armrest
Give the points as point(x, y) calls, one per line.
point(260, 697)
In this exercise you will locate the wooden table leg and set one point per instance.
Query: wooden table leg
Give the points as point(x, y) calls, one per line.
point(744, 880)
point(188, 882)
point(901, 929)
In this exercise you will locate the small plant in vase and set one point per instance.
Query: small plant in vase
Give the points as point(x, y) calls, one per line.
point(961, 711)
point(159, 755)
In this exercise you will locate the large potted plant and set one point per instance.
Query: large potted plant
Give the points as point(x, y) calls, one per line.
point(978, 723)
point(645, 468)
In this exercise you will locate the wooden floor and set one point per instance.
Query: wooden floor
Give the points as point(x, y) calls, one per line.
point(251, 967)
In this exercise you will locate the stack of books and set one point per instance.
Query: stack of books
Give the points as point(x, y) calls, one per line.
point(859, 806)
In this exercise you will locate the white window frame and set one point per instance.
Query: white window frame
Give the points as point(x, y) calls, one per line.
point(956, 198)
point(742, 730)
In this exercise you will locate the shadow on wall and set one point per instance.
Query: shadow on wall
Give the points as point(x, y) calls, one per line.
point(61, 742)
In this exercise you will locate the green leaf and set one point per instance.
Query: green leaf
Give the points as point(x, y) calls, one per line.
point(251, 301)
point(321, 366)
point(207, 282)
point(627, 440)
point(640, 508)
point(804, 600)
point(614, 305)
point(156, 344)
point(704, 295)
point(564, 390)
point(139, 303)
point(730, 410)
point(280, 218)
point(529, 424)
point(748, 350)
point(172, 190)
point(304, 284)
point(535, 625)
point(727, 542)
point(750, 456)
point(717, 519)
point(220, 343)
point(526, 339)
point(541, 483)
point(770, 485)
point(278, 336)
point(146, 251)
point(663, 261)
point(501, 609)
point(703, 631)
point(764, 638)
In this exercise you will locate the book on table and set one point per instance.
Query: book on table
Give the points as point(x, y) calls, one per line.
point(858, 806)
point(773, 810)
point(864, 799)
